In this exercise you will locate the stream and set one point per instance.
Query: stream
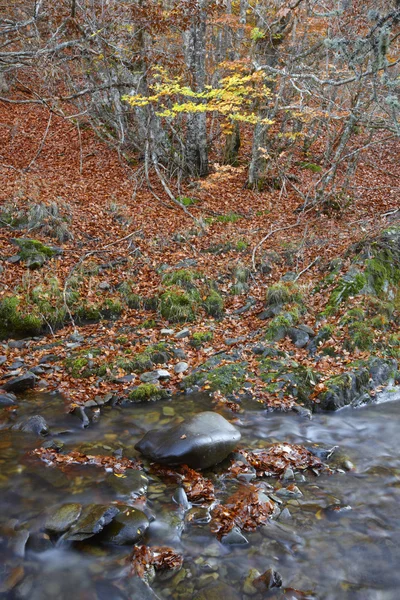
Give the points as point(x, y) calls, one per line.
point(338, 541)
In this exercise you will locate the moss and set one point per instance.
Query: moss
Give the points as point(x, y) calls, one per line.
point(28, 248)
point(279, 294)
point(15, 321)
point(214, 305)
point(87, 312)
point(345, 288)
point(200, 337)
point(81, 365)
point(279, 327)
point(150, 302)
point(147, 391)
point(353, 315)
point(149, 324)
point(177, 307)
point(227, 378)
point(122, 339)
point(131, 299)
point(241, 245)
point(360, 336)
point(110, 309)
point(183, 278)
point(380, 322)
point(186, 201)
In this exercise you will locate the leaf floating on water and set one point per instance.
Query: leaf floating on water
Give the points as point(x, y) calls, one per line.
point(118, 465)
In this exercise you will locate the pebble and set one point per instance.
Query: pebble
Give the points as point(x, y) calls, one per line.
point(167, 332)
point(184, 333)
point(181, 367)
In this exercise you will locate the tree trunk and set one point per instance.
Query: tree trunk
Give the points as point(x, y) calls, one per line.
point(196, 148)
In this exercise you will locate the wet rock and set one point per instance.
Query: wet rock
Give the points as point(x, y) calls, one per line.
point(234, 538)
point(291, 491)
point(200, 442)
point(133, 484)
point(63, 517)
point(248, 587)
point(92, 520)
point(217, 591)
point(302, 411)
point(7, 399)
point(17, 344)
point(128, 527)
point(199, 515)
point(18, 542)
point(3, 359)
point(39, 542)
point(35, 424)
point(20, 384)
point(80, 412)
point(268, 580)
point(181, 499)
point(181, 367)
point(299, 337)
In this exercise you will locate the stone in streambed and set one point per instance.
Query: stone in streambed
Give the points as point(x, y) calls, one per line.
point(92, 520)
point(128, 527)
point(216, 592)
point(200, 442)
point(6, 399)
point(35, 424)
point(63, 517)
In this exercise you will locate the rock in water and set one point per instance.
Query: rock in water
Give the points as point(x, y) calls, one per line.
point(127, 527)
point(200, 442)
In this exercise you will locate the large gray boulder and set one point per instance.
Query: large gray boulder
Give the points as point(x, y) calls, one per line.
point(200, 442)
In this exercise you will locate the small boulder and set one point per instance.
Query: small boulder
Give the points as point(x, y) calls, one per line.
point(299, 337)
point(35, 424)
point(20, 384)
point(200, 442)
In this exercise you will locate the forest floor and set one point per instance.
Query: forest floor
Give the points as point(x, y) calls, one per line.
point(123, 233)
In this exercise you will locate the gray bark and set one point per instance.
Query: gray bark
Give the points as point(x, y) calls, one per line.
point(196, 147)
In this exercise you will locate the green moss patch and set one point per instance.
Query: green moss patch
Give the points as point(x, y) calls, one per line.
point(146, 392)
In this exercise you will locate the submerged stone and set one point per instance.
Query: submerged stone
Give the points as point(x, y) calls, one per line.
point(92, 520)
point(63, 517)
point(127, 527)
point(35, 424)
point(217, 592)
point(200, 442)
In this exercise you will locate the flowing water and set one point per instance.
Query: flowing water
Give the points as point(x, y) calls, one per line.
point(351, 552)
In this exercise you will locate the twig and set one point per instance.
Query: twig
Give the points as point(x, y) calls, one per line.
point(265, 238)
point(306, 269)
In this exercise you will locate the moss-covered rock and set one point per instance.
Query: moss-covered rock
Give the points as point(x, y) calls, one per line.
point(16, 320)
point(177, 306)
point(354, 387)
point(82, 365)
point(34, 253)
point(201, 337)
point(214, 305)
point(146, 392)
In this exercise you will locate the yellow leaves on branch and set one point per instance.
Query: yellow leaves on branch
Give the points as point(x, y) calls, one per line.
point(234, 98)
